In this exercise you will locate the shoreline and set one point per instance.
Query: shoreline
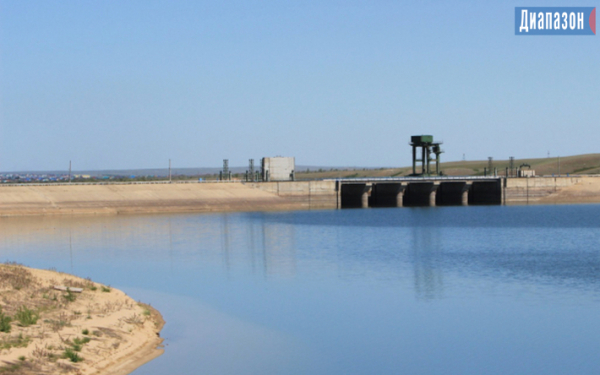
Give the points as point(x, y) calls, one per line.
point(93, 330)
point(149, 351)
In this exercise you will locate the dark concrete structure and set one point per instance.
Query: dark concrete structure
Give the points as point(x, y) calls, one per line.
point(423, 191)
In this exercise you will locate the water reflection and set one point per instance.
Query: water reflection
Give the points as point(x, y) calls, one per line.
point(415, 291)
point(278, 249)
point(426, 254)
point(269, 244)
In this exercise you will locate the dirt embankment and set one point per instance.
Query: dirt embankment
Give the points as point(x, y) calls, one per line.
point(137, 198)
point(53, 323)
point(587, 190)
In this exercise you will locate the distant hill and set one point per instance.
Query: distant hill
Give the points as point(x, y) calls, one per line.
point(158, 172)
point(578, 164)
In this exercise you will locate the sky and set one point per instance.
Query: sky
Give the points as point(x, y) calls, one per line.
point(132, 84)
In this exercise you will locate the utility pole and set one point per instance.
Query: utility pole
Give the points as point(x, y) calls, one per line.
point(69, 171)
point(559, 165)
point(169, 170)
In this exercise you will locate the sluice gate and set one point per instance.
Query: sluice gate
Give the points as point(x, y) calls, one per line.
point(419, 191)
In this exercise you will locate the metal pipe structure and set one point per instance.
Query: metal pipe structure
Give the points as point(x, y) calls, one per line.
point(428, 147)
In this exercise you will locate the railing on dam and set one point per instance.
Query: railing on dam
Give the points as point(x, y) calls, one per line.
point(416, 179)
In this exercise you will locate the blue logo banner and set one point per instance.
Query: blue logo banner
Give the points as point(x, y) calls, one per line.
point(555, 21)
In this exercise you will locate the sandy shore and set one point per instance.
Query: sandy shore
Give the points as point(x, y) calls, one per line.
point(98, 331)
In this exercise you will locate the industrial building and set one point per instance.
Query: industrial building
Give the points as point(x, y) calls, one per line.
point(278, 168)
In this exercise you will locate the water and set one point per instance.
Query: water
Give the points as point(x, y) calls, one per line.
point(446, 290)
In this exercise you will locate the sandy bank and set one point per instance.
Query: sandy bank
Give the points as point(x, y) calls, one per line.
point(587, 190)
point(138, 198)
point(99, 331)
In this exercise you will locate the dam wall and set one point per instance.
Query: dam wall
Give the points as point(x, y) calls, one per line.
point(468, 190)
point(306, 194)
point(552, 190)
point(67, 199)
point(539, 189)
point(192, 196)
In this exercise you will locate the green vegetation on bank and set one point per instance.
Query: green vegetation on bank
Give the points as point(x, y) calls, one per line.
point(26, 317)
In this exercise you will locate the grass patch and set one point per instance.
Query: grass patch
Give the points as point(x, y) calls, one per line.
point(70, 296)
point(15, 276)
point(10, 369)
point(134, 319)
point(15, 342)
point(5, 322)
point(72, 355)
point(76, 346)
point(106, 289)
point(81, 341)
point(57, 325)
point(26, 317)
point(578, 170)
point(85, 332)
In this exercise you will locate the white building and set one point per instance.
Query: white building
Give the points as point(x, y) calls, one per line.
point(278, 168)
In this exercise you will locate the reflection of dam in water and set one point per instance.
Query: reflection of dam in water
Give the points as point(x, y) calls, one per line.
point(420, 246)
point(234, 240)
point(266, 247)
point(426, 256)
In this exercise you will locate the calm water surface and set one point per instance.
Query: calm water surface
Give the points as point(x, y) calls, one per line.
point(452, 290)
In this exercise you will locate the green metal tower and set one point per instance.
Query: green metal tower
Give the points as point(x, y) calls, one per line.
point(428, 149)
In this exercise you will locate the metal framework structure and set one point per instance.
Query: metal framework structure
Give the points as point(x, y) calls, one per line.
point(428, 148)
point(250, 170)
point(225, 174)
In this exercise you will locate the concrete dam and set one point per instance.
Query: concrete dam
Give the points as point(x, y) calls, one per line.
point(194, 196)
point(435, 191)
point(419, 191)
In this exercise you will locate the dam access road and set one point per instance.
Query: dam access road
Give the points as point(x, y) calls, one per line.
point(193, 196)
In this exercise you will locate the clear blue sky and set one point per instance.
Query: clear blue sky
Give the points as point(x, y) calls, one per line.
point(130, 84)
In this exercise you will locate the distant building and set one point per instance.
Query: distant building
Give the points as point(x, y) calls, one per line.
point(278, 168)
point(526, 173)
